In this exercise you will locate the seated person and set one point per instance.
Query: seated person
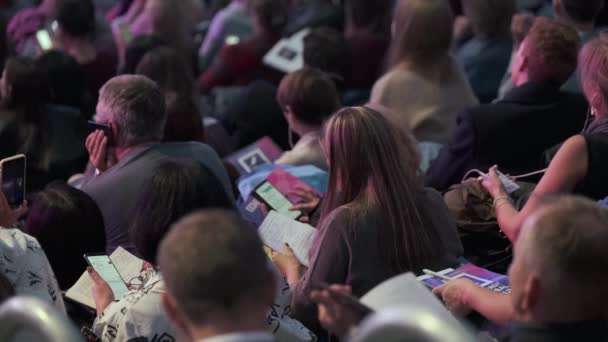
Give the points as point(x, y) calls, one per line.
point(580, 165)
point(23, 262)
point(557, 277)
point(134, 108)
point(136, 50)
point(486, 55)
point(313, 13)
point(581, 16)
point(307, 97)
point(22, 29)
point(176, 189)
point(76, 30)
point(230, 293)
point(241, 63)
point(425, 86)
point(516, 131)
point(377, 219)
point(56, 218)
point(232, 21)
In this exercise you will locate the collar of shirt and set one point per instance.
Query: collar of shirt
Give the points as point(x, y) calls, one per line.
point(253, 336)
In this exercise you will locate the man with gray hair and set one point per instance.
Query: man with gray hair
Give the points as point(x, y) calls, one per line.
point(125, 155)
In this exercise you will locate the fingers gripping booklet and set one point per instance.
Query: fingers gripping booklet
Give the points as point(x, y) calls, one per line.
point(128, 265)
point(277, 230)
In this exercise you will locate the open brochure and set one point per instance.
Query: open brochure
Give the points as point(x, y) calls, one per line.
point(482, 277)
point(127, 265)
point(276, 230)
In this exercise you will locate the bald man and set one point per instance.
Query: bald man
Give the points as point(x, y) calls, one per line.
point(558, 278)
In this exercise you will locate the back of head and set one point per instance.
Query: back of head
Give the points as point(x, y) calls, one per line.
point(593, 61)
point(310, 95)
point(176, 189)
point(213, 263)
point(327, 50)
point(136, 105)
point(136, 49)
point(271, 14)
point(422, 31)
point(566, 246)
point(25, 91)
point(64, 77)
point(164, 66)
point(551, 50)
point(490, 18)
point(375, 165)
point(584, 11)
point(57, 217)
point(184, 120)
point(373, 16)
point(77, 18)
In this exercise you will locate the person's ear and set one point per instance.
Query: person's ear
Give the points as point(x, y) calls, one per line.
point(175, 315)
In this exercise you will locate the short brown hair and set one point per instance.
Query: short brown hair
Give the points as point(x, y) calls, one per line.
point(568, 238)
point(551, 49)
point(489, 18)
point(310, 94)
point(211, 260)
point(272, 14)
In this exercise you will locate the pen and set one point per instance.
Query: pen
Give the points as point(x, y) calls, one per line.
point(436, 275)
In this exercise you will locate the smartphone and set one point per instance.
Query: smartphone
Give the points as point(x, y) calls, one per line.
point(272, 197)
point(13, 179)
point(350, 301)
point(107, 130)
point(44, 39)
point(103, 265)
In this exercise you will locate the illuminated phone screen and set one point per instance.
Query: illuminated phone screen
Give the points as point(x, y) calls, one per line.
point(105, 268)
point(276, 200)
point(44, 39)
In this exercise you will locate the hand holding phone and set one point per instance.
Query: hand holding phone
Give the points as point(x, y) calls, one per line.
point(272, 197)
point(339, 311)
point(99, 145)
point(104, 267)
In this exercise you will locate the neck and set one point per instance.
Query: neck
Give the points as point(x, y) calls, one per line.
point(82, 50)
point(230, 325)
point(303, 129)
point(122, 152)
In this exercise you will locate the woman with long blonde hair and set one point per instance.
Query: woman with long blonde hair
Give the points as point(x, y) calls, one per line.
point(425, 87)
point(377, 219)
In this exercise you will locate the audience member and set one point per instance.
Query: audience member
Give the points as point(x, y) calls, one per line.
point(556, 278)
point(581, 16)
point(241, 63)
point(368, 36)
point(304, 14)
point(68, 224)
point(184, 120)
point(176, 189)
point(24, 25)
point(579, 166)
point(66, 81)
point(133, 107)
point(76, 31)
point(377, 219)
point(327, 50)
point(22, 260)
point(22, 112)
point(425, 86)
point(136, 50)
point(486, 55)
point(308, 97)
point(232, 21)
point(536, 110)
point(204, 300)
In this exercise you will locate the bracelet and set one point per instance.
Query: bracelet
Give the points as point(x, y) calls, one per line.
point(499, 199)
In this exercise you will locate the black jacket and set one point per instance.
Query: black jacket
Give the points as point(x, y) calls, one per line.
point(512, 133)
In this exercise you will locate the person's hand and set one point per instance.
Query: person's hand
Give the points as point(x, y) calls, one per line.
point(8, 215)
point(101, 156)
point(102, 293)
point(455, 295)
point(335, 317)
point(462, 28)
point(309, 201)
point(520, 26)
point(493, 185)
point(288, 264)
